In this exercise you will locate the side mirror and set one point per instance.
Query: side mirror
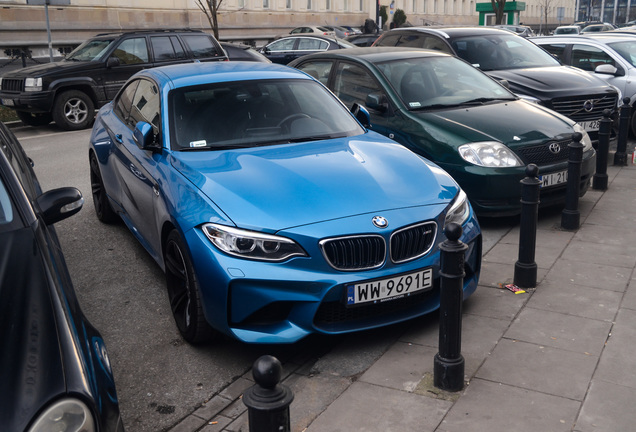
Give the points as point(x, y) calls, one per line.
point(361, 114)
point(377, 101)
point(58, 204)
point(606, 69)
point(144, 136)
point(112, 62)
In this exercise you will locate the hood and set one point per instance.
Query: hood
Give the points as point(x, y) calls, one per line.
point(546, 83)
point(30, 360)
point(285, 186)
point(59, 69)
point(492, 122)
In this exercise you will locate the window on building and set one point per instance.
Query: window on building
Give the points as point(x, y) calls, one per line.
point(265, 4)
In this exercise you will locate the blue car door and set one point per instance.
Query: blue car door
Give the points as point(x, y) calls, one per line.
point(137, 168)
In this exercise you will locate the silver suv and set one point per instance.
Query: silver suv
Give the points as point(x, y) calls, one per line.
point(611, 56)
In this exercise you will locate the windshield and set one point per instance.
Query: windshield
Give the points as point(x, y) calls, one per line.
point(252, 113)
point(90, 50)
point(437, 82)
point(501, 51)
point(627, 50)
point(9, 220)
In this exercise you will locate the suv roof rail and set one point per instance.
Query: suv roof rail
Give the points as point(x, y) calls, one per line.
point(185, 29)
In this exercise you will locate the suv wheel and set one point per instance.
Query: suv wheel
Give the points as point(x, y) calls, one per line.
point(34, 119)
point(73, 110)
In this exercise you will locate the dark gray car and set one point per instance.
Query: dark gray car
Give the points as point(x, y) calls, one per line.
point(529, 71)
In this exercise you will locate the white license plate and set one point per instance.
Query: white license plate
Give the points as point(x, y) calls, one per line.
point(590, 126)
point(554, 179)
point(7, 102)
point(381, 290)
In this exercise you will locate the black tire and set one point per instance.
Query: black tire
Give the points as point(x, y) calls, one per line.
point(183, 292)
point(34, 119)
point(103, 210)
point(73, 110)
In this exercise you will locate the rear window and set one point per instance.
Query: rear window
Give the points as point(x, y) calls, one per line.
point(201, 46)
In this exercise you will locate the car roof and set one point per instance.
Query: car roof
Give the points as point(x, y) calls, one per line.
point(453, 32)
point(603, 37)
point(378, 54)
point(189, 74)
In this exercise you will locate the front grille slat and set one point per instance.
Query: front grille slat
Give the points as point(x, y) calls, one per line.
point(364, 252)
point(573, 107)
point(12, 85)
point(541, 154)
point(412, 242)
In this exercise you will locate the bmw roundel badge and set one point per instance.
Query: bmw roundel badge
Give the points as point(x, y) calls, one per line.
point(380, 222)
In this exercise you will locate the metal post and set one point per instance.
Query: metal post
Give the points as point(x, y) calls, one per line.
point(48, 29)
point(571, 216)
point(526, 268)
point(599, 181)
point(268, 401)
point(620, 157)
point(449, 364)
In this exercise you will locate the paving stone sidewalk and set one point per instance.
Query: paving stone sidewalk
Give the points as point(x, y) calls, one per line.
point(556, 358)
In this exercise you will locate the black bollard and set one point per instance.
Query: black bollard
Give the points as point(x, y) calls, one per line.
point(268, 401)
point(525, 267)
point(448, 370)
point(571, 216)
point(620, 157)
point(599, 181)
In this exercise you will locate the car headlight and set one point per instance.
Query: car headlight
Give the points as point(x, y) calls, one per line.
point(489, 154)
point(66, 415)
point(531, 99)
point(586, 141)
point(252, 244)
point(459, 210)
point(33, 84)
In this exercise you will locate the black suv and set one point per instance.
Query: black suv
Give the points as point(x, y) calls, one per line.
point(69, 91)
point(531, 72)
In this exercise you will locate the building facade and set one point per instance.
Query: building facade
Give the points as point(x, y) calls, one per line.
point(612, 11)
point(23, 23)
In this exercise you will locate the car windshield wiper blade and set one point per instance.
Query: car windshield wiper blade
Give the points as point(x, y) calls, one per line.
point(314, 138)
point(215, 147)
point(484, 99)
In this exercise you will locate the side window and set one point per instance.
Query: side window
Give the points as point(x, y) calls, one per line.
point(390, 40)
point(201, 46)
point(589, 58)
point(145, 105)
point(353, 84)
point(166, 48)
point(132, 51)
point(557, 50)
point(435, 43)
point(319, 70)
point(312, 44)
point(123, 101)
point(282, 45)
point(20, 163)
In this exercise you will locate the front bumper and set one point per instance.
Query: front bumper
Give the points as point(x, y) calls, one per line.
point(259, 302)
point(497, 191)
point(35, 102)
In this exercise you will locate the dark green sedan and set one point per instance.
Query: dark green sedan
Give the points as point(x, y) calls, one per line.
point(453, 114)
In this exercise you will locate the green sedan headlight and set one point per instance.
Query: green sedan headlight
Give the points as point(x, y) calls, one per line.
point(459, 210)
point(586, 141)
point(489, 154)
point(66, 415)
point(251, 244)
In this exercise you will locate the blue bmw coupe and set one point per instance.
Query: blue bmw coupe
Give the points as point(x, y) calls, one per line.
point(272, 210)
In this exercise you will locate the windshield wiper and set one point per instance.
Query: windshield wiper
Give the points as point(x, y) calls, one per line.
point(482, 100)
point(476, 101)
point(225, 147)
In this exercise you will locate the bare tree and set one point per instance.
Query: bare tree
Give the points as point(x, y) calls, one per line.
point(546, 8)
point(211, 9)
point(498, 8)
